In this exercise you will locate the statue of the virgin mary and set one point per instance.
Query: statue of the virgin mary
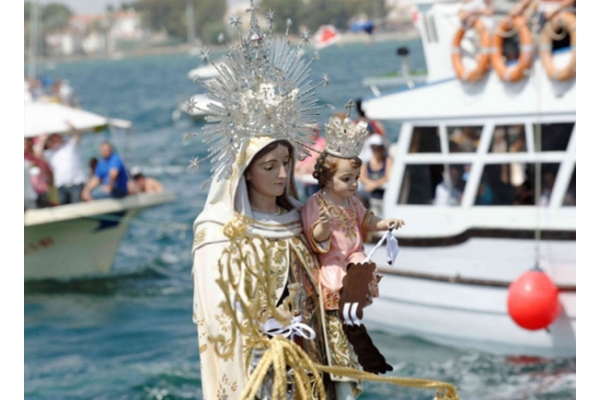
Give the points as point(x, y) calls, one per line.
point(253, 271)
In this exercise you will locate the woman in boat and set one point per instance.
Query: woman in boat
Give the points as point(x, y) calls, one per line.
point(375, 172)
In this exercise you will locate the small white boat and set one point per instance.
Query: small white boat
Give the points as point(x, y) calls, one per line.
point(195, 107)
point(457, 259)
point(81, 239)
point(204, 72)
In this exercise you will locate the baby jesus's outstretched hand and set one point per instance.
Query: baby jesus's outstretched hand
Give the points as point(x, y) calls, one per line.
point(389, 223)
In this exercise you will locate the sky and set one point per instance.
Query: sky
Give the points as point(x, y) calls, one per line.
point(99, 6)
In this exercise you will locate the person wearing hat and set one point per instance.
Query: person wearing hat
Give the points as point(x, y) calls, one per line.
point(375, 172)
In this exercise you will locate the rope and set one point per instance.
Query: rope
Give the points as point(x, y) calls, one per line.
point(507, 34)
point(282, 352)
point(557, 36)
point(445, 391)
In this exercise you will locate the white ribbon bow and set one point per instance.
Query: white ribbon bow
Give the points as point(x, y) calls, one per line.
point(391, 248)
point(272, 327)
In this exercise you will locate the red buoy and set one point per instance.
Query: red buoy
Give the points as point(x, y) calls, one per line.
point(533, 300)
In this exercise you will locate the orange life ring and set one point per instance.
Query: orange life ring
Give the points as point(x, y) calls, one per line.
point(565, 20)
point(525, 51)
point(483, 58)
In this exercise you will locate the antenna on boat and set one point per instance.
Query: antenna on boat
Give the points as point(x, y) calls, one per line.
point(33, 39)
point(537, 133)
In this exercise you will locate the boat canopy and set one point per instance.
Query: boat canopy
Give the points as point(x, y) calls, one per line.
point(47, 118)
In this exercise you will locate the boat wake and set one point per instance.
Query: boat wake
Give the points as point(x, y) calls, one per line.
point(140, 282)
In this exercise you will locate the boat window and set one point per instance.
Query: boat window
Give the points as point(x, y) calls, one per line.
point(419, 183)
point(425, 139)
point(508, 139)
point(569, 199)
point(434, 184)
point(555, 137)
point(430, 29)
point(464, 139)
point(514, 184)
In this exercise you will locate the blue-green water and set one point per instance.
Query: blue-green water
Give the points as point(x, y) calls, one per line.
point(131, 335)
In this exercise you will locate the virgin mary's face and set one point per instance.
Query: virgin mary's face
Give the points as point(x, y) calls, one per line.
point(267, 175)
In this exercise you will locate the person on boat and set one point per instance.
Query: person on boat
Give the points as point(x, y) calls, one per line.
point(92, 163)
point(373, 128)
point(42, 177)
point(65, 160)
point(306, 167)
point(449, 191)
point(548, 179)
point(144, 184)
point(110, 177)
point(336, 224)
point(375, 172)
point(463, 140)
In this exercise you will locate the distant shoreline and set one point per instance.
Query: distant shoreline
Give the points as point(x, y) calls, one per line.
point(185, 48)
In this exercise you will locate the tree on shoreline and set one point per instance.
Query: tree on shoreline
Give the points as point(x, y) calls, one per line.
point(52, 17)
point(169, 16)
point(314, 13)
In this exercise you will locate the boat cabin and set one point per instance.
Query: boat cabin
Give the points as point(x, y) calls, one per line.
point(467, 150)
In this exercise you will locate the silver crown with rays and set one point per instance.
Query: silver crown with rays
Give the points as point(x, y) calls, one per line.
point(344, 138)
point(263, 89)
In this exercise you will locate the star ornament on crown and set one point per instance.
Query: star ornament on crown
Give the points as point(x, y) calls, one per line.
point(263, 89)
point(344, 139)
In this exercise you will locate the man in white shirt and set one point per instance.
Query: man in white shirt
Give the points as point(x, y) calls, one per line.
point(65, 160)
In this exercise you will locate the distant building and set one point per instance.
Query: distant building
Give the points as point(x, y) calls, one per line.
point(97, 33)
point(400, 14)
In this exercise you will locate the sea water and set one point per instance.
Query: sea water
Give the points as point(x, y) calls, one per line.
point(130, 335)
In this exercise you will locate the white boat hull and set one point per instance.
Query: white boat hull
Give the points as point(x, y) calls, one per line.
point(441, 295)
point(80, 240)
point(74, 248)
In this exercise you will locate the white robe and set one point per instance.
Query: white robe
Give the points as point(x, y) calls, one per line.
point(292, 261)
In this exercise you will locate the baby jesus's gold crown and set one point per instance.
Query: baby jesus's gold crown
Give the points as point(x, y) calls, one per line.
point(345, 138)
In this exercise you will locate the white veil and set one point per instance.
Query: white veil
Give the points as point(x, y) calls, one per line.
point(228, 196)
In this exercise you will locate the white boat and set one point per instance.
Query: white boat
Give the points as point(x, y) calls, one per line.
point(76, 240)
point(450, 281)
point(204, 72)
point(195, 107)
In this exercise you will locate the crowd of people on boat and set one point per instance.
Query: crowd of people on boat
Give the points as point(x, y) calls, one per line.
point(506, 183)
point(49, 89)
point(55, 174)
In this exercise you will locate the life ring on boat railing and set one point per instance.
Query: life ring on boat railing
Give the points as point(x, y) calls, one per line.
point(525, 51)
point(565, 20)
point(483, 58)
